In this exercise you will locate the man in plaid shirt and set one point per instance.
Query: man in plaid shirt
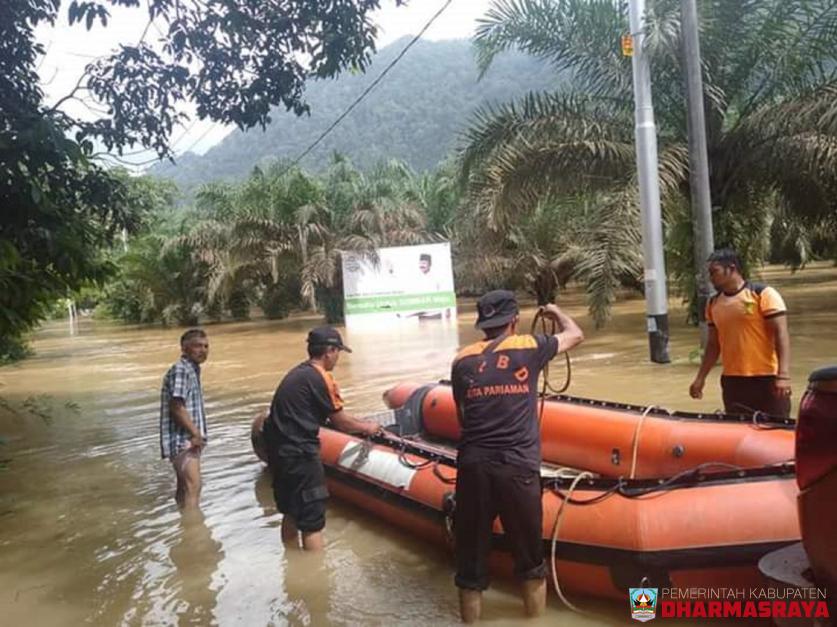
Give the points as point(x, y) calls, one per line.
point(183, 417)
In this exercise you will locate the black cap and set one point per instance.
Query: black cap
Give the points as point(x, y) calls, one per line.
point(327, 336)
point(496, 309)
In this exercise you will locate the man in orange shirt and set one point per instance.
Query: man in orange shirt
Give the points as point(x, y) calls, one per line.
point(748, 328)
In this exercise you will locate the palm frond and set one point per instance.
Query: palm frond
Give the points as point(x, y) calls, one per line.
point(611, 255)
point(579, 37)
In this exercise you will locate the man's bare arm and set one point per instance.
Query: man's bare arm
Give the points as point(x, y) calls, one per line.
point(710, 358)
point(349, 424)
point(778, 325)
point(570, 334)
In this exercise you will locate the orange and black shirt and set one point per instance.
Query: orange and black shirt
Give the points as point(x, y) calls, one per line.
point(304, 400)
point(495, 386)
point(747, 344)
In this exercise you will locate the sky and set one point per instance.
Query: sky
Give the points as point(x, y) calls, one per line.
point(69, 49)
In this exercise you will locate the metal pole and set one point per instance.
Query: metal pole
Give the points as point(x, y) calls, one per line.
point(704, 241)
point(656, 301)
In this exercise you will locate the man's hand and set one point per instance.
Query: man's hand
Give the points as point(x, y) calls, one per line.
point(553, 312)
point(371, 428)
point(569, 333)
point(696, 389)
point(781, 387)
point(196, 441)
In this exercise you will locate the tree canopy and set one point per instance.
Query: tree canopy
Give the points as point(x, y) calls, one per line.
point(232, 60)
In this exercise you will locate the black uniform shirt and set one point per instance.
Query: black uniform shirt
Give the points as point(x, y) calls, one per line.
point(495, 388)
point(304, 400)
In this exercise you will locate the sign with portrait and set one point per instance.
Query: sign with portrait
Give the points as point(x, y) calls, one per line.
point(405, 283)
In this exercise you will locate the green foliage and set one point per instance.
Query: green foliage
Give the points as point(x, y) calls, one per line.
point(330, 300)
point(239, 304)
point(278, 299)
point(60, 210)
point(259, 57)
point(770, 72)
point(159, 282)
point(276, 239)
point(13, 348)
point(413, 116)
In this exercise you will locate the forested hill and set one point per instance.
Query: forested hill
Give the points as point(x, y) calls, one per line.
point(414, 114)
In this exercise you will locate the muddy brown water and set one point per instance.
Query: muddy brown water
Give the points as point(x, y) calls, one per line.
point(89, 533)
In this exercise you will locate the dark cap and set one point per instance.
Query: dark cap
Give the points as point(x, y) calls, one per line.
point(327, 336)
point(425, 257)
point(496, 309)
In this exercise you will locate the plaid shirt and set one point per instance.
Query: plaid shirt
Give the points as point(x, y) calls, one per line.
point(183, 381)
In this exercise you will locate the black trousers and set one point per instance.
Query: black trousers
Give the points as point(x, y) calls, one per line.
point(484, 490)
point(744, 395)
point(299, 487)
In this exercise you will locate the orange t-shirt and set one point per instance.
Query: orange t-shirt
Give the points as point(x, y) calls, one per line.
point(747, 346)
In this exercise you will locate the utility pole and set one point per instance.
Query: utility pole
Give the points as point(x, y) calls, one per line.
point(704, 241)
point(656, 299)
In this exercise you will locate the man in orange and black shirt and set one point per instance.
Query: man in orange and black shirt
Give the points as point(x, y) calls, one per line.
point(306, 398)
point(748, 328)
point(495, 385)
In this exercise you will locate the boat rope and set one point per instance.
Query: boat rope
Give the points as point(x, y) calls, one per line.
point(556, 527)
point(758, 419)
point(668, 484)
point(623, 489)
point(440, 476)
point(402, 457)
point(635, 443)
point(550, 327)
point(591, 501)
point(766, 420)
point(762, 425)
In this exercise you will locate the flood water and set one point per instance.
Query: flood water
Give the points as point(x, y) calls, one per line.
point(89, 532)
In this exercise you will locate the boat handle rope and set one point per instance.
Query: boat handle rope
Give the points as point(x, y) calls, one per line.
point(635, 443)
point(756, 414)
point(402, 456)
point(556, 527)
point(621, 488)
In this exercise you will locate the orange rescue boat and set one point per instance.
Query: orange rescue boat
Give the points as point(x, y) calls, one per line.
point(616, 439)
point(709, 496)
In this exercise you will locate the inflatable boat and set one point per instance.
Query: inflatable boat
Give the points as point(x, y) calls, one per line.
point(615, 439)
point(634, 496)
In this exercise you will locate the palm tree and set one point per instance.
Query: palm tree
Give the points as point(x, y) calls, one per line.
point(160, 281)
point(770, 72)
point(358, 213)
point(250, 241)
point(438, 196)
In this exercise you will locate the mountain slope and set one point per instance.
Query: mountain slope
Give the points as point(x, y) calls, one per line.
point(414, 114)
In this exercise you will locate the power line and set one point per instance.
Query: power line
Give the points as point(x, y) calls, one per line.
point(370, 87)
point(209, 128)
point(348, 110)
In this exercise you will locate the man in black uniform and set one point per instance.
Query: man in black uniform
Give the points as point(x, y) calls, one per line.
point(495, 388)
point(306, 398)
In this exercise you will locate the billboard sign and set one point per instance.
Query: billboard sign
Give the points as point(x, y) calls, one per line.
point(407, 283)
